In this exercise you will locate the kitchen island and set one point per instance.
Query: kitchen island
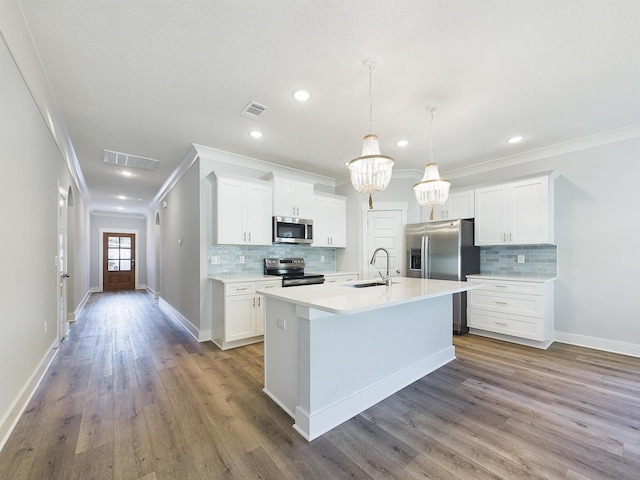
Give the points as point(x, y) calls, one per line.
point(332, 351)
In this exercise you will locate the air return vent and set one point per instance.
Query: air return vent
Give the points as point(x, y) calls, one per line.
point(131, 161)
point(253, 110)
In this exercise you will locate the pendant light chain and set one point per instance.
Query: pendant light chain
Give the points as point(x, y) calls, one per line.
point(431, 135)
point(370, 98)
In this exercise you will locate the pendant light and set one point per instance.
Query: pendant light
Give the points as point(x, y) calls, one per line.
point(370, 172)
point(431, 190)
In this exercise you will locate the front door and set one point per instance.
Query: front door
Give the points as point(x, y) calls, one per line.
point(119, 260)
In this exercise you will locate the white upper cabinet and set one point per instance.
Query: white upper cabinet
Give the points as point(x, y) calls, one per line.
point(291, 198)
point(460, 204)
point(329, 215)
point(242, 212)
point(516, 213)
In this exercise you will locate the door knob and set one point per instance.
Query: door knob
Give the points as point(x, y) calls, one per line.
point(64, 275)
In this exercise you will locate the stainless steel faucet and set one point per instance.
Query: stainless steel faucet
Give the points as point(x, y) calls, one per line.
point(387, 278)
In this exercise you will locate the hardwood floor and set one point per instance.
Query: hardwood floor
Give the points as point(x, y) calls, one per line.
point(131, 395)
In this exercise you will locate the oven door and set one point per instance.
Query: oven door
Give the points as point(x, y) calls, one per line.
point(292, 230)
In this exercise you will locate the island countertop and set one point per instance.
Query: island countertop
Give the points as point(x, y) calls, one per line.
point(347, 299)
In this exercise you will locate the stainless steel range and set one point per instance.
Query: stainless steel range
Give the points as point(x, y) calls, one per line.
point(292, 271)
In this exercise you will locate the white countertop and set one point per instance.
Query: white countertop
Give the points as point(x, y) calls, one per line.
point(514, 278)
point(343, 298)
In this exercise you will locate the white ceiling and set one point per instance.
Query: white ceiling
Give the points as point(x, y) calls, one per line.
point(149, 78)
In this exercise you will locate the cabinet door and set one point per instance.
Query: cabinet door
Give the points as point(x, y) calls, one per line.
point(303, 200)
point(258, 214)
point(239, 317)
point(337, 216)
point(461, 205)
point(319, 215)
point(491, 204)
point(230, 212)
point(259, 315)
point(528, 216)
point(283, 197)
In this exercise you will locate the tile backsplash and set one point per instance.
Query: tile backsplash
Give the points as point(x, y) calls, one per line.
point(230, 261)
point(539, 260)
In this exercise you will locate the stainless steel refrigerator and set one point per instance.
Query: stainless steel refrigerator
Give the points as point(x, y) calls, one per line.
point(444, 251)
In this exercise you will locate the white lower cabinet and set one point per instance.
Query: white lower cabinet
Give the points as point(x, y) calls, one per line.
point(520, 311)
point(238, 312)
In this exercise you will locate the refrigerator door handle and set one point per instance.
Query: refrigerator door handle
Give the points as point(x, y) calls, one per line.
point(424, 261)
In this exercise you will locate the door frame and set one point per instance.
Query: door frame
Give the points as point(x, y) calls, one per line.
point(62, 242)
point(364, 229)
point(102, 231)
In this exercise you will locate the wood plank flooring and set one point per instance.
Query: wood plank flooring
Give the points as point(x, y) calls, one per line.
point(131, 395)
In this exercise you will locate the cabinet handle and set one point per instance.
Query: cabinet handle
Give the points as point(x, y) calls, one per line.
point(242, 288)
point(254, 302)
point(502, 324)
point(259, 301)
point(500, 286)
point(501, 303)
point(244, 237)
point(249, 236)
point(504, 237)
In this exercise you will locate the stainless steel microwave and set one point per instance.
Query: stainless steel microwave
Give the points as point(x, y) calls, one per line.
point(292, 230)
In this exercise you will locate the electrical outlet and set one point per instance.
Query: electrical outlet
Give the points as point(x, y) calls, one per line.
point(46, 326)
point(520, 258)
point(215, 260)
point(322, 258)
point(281, 323)
point(241, 259)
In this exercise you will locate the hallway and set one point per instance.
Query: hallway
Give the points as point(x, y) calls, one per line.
point(131, 395)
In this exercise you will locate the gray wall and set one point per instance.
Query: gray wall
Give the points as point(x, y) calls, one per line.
point(35, 171)
point(597, 227)
point(114, 224)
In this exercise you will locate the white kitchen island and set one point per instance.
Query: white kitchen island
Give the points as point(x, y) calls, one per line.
point(332, 351)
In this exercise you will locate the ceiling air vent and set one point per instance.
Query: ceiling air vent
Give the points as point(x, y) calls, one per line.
point(131, 161)
point(253, 110)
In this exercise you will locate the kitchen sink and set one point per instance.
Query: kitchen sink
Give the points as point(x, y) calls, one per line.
point(368, 284)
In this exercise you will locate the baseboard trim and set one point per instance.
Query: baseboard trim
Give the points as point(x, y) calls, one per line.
point(613, 346)
point(10, 421)
point(78, 311)
point(179, 318)
point(152, 292)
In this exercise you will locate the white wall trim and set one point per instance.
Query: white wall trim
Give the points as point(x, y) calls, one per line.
point(152, 292)
point(183, 321)
point(101, 233)
point(613, 346)
point(19, 405)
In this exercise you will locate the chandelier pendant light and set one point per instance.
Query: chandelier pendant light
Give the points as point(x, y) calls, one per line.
point(431, 190)
point(370, 172)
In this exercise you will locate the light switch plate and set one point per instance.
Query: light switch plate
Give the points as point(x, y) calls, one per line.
point(520, 258)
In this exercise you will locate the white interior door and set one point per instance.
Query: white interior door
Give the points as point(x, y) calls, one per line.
point(63, 322)
point(384, 229)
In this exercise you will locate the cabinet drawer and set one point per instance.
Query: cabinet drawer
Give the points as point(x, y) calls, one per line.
point(530, 305)
point(529, 288)
point(269, 284)
point(239, 288)
point(524, 327)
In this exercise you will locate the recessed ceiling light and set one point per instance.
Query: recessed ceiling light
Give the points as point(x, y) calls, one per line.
point(255, 133)
point(126, 173)
point(516, 139)
point(120, 208)
point(122, 197)
point(402, 143)
point(301, 95)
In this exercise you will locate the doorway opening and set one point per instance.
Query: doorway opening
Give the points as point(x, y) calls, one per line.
point(118, 261)
point(384, 227)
